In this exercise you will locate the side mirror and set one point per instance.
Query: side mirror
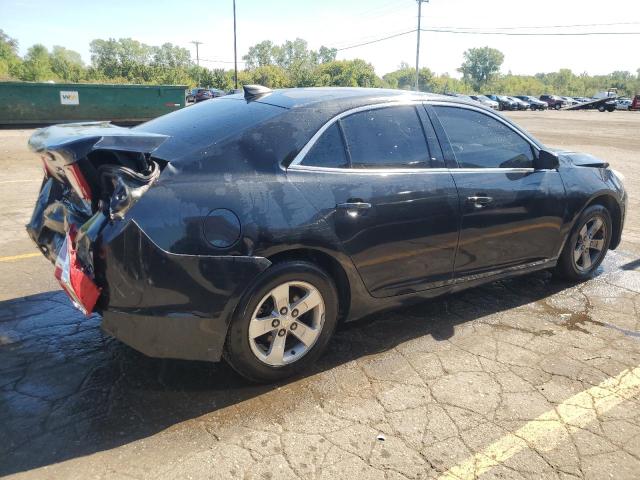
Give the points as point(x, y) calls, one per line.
point(546, 161)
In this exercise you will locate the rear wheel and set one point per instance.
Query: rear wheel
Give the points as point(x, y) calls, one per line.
point(587, 245)
point(284, 322)
point(558, 106)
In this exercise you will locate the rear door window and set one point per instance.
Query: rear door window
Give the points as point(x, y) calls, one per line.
point(480, 141)
point(328, 151)
point(386, 137)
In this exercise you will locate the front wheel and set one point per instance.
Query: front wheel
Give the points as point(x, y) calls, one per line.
point(587, 244)
point(284, 323)
point(558, 106)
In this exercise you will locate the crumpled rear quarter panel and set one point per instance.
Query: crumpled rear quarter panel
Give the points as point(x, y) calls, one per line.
point(170, 305)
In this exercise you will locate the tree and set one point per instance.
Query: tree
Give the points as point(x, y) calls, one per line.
point(126, 58)
point(10, 62)
point(480, 66)
point(37, 64)
point(405, 78)
point(260, 55)
point(270, 76)
point(348, 73)
point(293, 57)
point(67, 64)
point(326, 55)
point(170, 56)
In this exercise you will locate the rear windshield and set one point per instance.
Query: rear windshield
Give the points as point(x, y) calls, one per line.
point(206, 123)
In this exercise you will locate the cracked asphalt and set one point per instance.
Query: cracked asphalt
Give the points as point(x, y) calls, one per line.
point(525, 378)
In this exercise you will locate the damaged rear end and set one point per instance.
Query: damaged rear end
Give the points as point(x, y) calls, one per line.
point(94, 173)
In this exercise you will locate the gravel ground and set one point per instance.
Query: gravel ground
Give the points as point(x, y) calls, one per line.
point(524, 378)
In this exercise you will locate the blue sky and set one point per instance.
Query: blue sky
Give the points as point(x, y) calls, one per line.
point(339, 23)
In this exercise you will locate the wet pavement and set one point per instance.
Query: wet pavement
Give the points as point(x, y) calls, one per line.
point(524, 378)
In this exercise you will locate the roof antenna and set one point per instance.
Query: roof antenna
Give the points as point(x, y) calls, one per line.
point(251, 92)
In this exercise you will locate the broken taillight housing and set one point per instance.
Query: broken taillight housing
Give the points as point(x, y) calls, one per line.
point(74, 277)
point(78, 182)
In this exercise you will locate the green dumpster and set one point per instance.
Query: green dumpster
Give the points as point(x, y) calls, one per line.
point(45, 103)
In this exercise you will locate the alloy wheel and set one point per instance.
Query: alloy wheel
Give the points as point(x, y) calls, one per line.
point(590, 243)
point(286, 323)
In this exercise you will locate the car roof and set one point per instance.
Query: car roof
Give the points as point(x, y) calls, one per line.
point(347, 97)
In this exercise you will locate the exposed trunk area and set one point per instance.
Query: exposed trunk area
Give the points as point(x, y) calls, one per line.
point(94, 173)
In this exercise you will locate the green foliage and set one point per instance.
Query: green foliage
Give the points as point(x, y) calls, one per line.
point(481, 65)
point(271, 76)
point(405, 78)
point(291, 64)
point(291, 55)
point(347, 73)
point(10, 62)
point(66, 64)
point(37, 64)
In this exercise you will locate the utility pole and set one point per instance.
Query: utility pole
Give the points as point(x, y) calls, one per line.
point(197, 43)
point(418, 41)
point(235, 47)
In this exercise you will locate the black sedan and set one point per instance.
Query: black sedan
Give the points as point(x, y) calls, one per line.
point(504, 102)
point(302, 208)
point(533, 102)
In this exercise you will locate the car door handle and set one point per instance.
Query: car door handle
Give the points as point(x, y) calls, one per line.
point(354, 206)
point(479, 201)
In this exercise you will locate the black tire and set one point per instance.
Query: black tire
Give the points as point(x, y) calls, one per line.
point(601, 108)
point(567, 267)
point(238, 352)
point(557, 106)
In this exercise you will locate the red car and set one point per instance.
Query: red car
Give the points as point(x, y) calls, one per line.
point(635, 105)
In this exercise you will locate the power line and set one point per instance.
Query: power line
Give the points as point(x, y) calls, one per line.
point(442, 30)
point(219, 61)
point(366, 38)
point(527, 34)
point(543, 26)
point(377, 40)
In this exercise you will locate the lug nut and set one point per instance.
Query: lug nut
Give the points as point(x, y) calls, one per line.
point(282, 332)
point(295, 312)
point(283, 311)
point(275, 323)
point(293, 326)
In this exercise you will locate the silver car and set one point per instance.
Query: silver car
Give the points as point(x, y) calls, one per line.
point(486, 101)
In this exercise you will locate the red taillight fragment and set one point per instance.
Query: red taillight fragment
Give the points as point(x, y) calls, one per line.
point(69, 272)
point(77, 181)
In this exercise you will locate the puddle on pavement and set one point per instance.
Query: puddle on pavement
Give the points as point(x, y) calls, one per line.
point(535, 333)
point(578, 321)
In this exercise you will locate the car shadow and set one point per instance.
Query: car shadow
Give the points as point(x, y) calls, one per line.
point(68, 390)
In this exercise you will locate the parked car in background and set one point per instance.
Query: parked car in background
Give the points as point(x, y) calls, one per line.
point(202, 94)
point(522, 105)
point(486, 101)
point(191, 95)
point(215, 93)
point(635, 103)
point(554, 101)
point(570, 101)
point(534, 103)
point(623, 104)
point(503, 102)
point(239, 244)
point(582, 99)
